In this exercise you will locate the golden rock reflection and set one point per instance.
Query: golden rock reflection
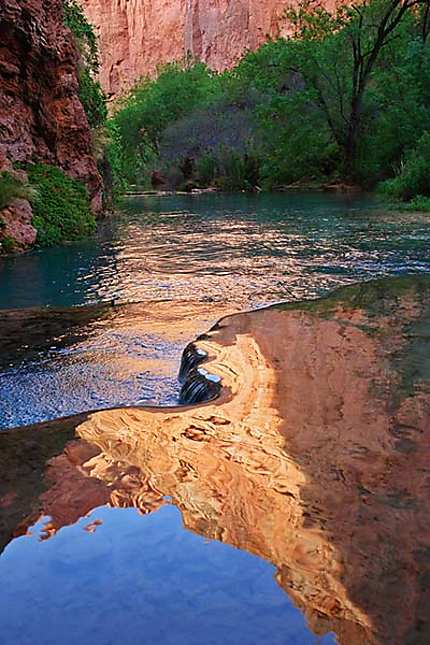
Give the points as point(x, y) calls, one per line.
point(315, 458)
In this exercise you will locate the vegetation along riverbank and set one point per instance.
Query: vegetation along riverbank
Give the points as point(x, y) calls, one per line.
point(341, 102)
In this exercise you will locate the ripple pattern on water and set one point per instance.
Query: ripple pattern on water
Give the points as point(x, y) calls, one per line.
point(235, 251)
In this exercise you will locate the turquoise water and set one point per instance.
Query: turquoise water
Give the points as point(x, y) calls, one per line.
point(255, 247)
point(238, 251)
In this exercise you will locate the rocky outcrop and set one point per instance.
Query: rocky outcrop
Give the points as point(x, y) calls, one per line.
point(41, 117)
point(16, 223)
point(16, 218)
point(138, 35)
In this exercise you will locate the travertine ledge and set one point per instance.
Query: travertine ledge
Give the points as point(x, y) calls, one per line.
point(314, 456)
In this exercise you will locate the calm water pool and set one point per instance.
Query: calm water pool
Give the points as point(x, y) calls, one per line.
point(142, 580)
point(227, 252)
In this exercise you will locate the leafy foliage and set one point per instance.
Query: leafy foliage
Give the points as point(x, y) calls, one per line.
point(116, 159)
point(413, 177)
point(92, 98)
point(61, 210)
point(75, 20)
point(154, 104)
point(7, 245)
point(91, 94)
point(344, 99)
point(418, 203)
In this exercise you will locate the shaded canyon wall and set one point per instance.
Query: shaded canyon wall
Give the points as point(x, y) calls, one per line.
point(138, 35)
point(41, 117)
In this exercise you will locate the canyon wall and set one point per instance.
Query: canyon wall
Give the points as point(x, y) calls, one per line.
point(138, 35)
point(41, 117)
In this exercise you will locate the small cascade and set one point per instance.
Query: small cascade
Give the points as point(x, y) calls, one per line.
point(198, 385)
point(192, 357)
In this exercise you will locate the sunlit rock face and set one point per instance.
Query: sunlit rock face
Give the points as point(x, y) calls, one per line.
point(41, 117)
point(138, 35)
point(314, 457)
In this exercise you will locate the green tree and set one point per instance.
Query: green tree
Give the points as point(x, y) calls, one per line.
point(153, 104)
point(340, 53)
point(346, 97)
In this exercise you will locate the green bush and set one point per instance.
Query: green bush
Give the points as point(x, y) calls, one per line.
point(413, 178)
point(207, 168)
point(7, 245)
point(420, 203)
point(232, 173)
point(92, 98)
point(61, 210)
point(12, 188)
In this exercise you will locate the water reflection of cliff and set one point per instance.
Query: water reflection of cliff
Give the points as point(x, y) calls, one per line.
point(315, 458)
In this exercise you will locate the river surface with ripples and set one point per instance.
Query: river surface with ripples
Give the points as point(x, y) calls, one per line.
point(224, 253)
point(251, 248)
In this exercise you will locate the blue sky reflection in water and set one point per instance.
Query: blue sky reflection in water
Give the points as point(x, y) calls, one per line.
point(233, 252)
point(142, 580)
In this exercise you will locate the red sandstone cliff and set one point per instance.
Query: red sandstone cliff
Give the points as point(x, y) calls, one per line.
point(138, 35)
point(41, 117)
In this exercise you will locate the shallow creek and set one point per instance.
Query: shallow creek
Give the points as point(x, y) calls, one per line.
point(164, 272)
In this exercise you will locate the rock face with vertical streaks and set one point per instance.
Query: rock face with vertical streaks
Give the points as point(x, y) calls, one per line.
point(138, 35)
